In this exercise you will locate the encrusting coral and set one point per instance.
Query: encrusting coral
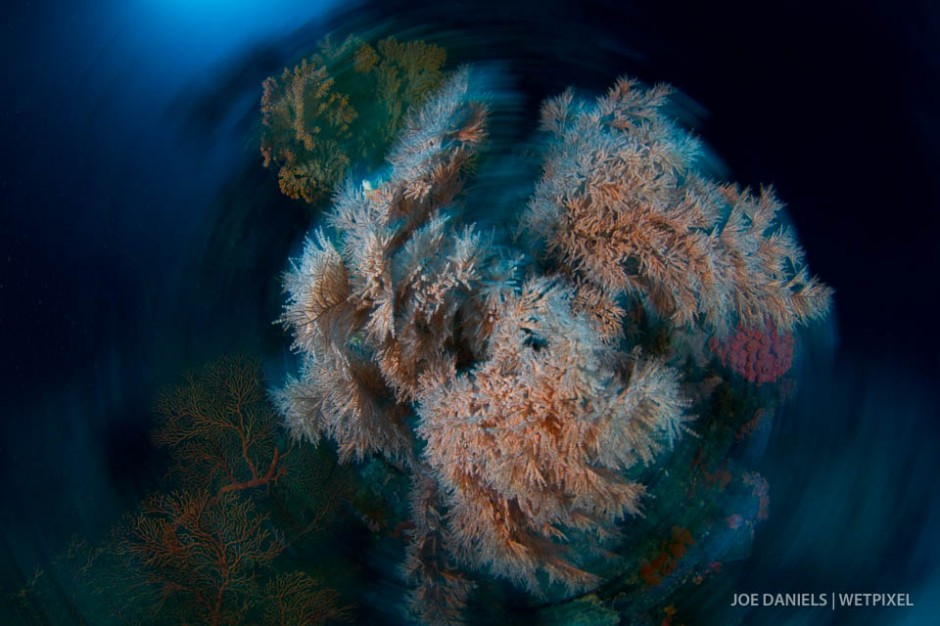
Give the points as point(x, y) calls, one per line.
point(759, 356)
point(503, 381)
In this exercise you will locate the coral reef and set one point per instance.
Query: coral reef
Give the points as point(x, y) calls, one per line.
point(665, 561)
point(550, 429)
point(503, 377)
point(341, 106)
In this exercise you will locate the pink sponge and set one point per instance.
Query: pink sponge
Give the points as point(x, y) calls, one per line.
point(758, 356)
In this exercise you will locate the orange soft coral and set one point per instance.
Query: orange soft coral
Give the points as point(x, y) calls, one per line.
point(342, 105)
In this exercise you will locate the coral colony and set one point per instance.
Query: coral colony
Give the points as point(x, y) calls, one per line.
point(510, 378)
point(505, 396)
point(344, 104)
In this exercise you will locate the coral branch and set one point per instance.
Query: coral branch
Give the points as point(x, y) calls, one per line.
point(621, 203)
point(221, 428)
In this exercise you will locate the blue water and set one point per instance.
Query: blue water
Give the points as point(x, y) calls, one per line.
point(129, 127)
point(120, 138)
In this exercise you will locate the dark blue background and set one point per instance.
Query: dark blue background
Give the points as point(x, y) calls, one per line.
point(128, 147)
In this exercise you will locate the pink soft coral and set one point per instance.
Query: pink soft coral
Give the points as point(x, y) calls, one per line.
point(760, 356)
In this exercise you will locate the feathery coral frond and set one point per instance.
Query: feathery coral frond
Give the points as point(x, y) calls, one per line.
point(622, 204)
point(531, 441)
point(371, 315)
point(530, 402)
point(318, 289)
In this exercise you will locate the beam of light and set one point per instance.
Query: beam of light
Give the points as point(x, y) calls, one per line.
point(206, 30)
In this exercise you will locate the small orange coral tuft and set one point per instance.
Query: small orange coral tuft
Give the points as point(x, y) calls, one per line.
point(318, 118)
